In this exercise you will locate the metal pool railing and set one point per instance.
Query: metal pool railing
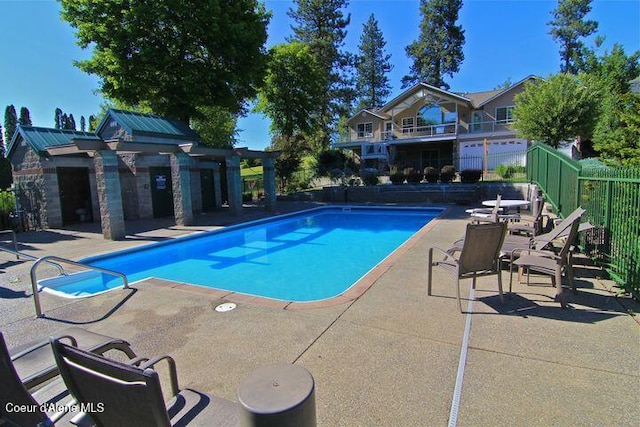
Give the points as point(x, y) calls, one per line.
point(50, 259)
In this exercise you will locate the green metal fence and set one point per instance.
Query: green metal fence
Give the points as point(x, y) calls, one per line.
point(611, 197)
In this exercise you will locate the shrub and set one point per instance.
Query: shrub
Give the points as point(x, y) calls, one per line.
point(369, 177)
point(412, 175)
point(396, 176)
point(508, 171)
point(447, 173)
point(470, 175)
point(431, 174)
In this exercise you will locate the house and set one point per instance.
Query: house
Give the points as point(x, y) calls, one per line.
point(135, 166)
point(427, 126)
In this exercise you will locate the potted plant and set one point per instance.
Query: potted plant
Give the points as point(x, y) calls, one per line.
point(470, 176)
point(412, 175)
point(396, 176)
point(431, 174)
point(447, 173)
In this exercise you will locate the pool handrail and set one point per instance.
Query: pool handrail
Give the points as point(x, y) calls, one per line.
point(49, 259)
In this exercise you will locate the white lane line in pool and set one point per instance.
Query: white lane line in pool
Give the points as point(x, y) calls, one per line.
point(453, 415)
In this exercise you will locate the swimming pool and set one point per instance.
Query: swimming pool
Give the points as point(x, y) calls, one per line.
point(307, 256)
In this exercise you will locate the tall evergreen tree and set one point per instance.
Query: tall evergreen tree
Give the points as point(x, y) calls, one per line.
point(322, 25)
point(93, 123)
point(10, 122)
point(58, 119)
point(568, 28)
point(25, 117)
point(3, 145)
point(372, 66)
point(71, 123)
point(438, 50)
point(83, 124)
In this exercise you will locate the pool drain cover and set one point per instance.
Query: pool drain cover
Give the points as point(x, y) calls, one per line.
point(227, 306)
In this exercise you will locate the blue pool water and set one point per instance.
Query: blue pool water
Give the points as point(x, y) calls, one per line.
point(307, 256)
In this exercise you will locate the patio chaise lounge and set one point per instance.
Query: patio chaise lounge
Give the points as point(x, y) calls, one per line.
point(35, 364)
point(132, 395)
point(43, 406)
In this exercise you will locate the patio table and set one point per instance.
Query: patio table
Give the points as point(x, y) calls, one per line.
point(507, 203)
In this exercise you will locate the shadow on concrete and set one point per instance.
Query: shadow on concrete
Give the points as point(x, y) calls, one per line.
point(111, 311)
point(584, 307)
point(6, 293)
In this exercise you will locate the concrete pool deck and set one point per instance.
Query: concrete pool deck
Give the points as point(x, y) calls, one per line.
point(386, 358)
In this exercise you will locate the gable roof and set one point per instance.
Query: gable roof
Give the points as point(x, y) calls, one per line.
point(39, 138)
point(502, 92)
point(139, 124)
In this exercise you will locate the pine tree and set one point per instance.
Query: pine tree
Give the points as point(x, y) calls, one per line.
point(83, 124)
point(322, 25)
point(10, 122)
point(3, 146)
point(372, 66)
point(438, 50)
point(71, 124)
point(58, 119)
point(568, 28)
point(25, 117)
point(92, 123)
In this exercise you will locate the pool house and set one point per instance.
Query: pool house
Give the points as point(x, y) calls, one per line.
point(134, 166)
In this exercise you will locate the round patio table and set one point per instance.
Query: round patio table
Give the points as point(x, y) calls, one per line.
point(507, 203)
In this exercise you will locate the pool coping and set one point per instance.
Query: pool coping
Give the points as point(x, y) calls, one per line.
point(354, 292)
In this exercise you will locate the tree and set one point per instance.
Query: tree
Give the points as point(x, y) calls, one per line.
point(93, 123)
point(568, 28)
point(174, 56)
point(83, 124)
point(438, 50)
point(216, 127)
point(617, 136)
point(10, 122)
point(58, 119)
point(322, 25)
point(556, 110)
point(25, 117)
point(613, 133)
point(71, 123)
point(291, 90)
point(372, 66)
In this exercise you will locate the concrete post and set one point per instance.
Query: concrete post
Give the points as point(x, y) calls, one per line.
point(109, 195)
point(234, 184)
point(269, 182)
point(181, 179)
point(217, 188)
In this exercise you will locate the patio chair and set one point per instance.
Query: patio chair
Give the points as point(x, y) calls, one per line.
point(14, 395)
point(35, 364)
point(479, 255)
point(532, 227)
point(551, 263)
point(132, 395)
point(480, 215)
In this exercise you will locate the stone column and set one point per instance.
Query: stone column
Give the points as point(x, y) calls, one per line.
point(109, 194)
point(181, 181)
point(234, 184)
point(217, 188)
point(269, 182)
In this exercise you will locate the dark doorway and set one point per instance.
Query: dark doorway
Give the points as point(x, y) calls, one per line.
point(208, 190)
point(75, 195)
point(161, 192)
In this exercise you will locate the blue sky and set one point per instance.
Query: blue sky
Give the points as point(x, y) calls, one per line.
point(505, 39)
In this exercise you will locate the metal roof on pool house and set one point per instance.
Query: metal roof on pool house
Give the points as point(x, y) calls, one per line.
point(40, 139)
point(139, 127)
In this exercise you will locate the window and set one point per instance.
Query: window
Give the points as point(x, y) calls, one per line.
point(429, 115)
point(365, 130)
point(504, 114)
point(407, 125)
